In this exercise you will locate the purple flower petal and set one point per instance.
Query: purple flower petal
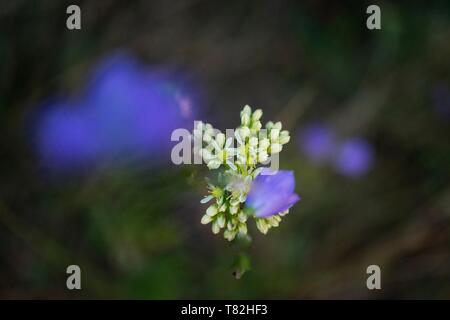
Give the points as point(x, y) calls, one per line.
point(271, 194)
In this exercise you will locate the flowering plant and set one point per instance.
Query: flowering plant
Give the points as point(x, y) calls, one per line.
point(245, 189)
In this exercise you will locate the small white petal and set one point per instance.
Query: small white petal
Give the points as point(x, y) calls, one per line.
point(206, 199)
point(232, 166)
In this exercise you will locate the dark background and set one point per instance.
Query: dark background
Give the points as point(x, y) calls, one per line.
point(135, 230)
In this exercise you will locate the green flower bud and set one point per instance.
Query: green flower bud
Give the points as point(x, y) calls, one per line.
point(212, 210)
point(221, 220)
point(263, 156)
point(285, 139)
point(262, 226)
point(244, 132)
point(256, 126)
point(257, 114)
point(242, 217)
point(274, 134)
point(231, 225)
point(234, 209)
point(242, 228)
point(275, 148)
point(229, 235)
point(247, 110)
point(277, 125)
point(222, 208)
point(234, 202)
point(214, 164)
point(206, 219)
point(272, 222)
point(245, 119)
point(215, 227)
point(264, 144)
point(253, 141)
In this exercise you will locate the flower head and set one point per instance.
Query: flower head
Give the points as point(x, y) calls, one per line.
point(243, 191)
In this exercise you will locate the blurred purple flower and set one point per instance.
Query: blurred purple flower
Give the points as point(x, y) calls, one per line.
point(127, 113)
point(271, 194)
point(317, 142)
point(66, 139)
point(354, 157)
point(441, 100)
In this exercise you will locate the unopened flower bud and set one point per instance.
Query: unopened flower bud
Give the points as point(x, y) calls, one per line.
point(211, 211)
point(275, 148)
point(257, 115)
point(274, 134)
point(206, 219)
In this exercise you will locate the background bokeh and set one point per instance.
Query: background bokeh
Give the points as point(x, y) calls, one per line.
point(368, 112)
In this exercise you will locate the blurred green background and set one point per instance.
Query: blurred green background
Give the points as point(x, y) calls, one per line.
point(135, 230)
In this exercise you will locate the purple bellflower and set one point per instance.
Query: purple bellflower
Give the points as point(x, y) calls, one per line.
point(272, 193)
point(127, 112)
point(354, 157)
point(317, 142)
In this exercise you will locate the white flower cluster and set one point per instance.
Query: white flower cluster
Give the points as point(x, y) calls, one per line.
point(240, 154)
